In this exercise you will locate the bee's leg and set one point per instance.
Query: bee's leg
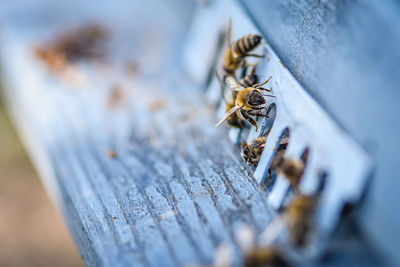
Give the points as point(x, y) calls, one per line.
point(259, 108)
point(268, 110)
point(249, 119)
point(253, 122)
point(243, 63)
point(255, 65)
point(265, 89)
point(244, 67)
point(258, 114)
point(254, 55)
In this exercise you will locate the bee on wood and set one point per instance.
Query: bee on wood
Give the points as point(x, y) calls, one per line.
point(297, 221)
point(264, 256)
point(279, 154)
point(299, 217)
point(239, 50)
point(233, 121)
point(248, 101)
point(251, 153)
point(248, 81)
point(291, 168)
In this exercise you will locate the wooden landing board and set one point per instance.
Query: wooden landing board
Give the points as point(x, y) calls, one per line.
point(176, 188)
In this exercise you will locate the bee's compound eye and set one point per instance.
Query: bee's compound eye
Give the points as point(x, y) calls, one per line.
point(257, 38)
point(245, 150)
point(256, 98)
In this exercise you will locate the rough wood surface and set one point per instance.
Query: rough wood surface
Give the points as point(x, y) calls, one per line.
point(147, 182)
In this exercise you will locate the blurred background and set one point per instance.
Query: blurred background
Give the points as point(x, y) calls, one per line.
point(32, 233)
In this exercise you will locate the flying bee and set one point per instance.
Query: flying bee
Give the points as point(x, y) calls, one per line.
point(251, 153)
point(239, 50)
point(292, 169)
point(249, 101)
point(299, 217)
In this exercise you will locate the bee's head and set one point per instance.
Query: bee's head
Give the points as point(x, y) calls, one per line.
point(248, 155)
point(245, 152)
point(256, 98)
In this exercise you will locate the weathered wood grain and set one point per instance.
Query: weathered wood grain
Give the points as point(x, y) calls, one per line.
point(176, 188)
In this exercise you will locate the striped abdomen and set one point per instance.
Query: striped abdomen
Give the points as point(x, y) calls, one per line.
point(247, 43)
point(249, 80)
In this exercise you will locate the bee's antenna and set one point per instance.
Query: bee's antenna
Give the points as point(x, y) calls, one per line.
point(261, 84)
point(265, 89)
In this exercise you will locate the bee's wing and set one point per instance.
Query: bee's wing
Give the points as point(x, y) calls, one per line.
point(233, 84)
point(228, 114)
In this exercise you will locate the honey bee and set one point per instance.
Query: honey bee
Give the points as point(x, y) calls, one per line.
point(248, 81)
point(292, 169)
point(264, 256)
point(299, 217)
point(251, 153)
point(239, 50)
point(233, 121)
point(248, 101)
point(279, 153)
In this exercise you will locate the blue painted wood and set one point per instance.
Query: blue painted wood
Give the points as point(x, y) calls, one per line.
point(177, 188)
point(345, 53)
